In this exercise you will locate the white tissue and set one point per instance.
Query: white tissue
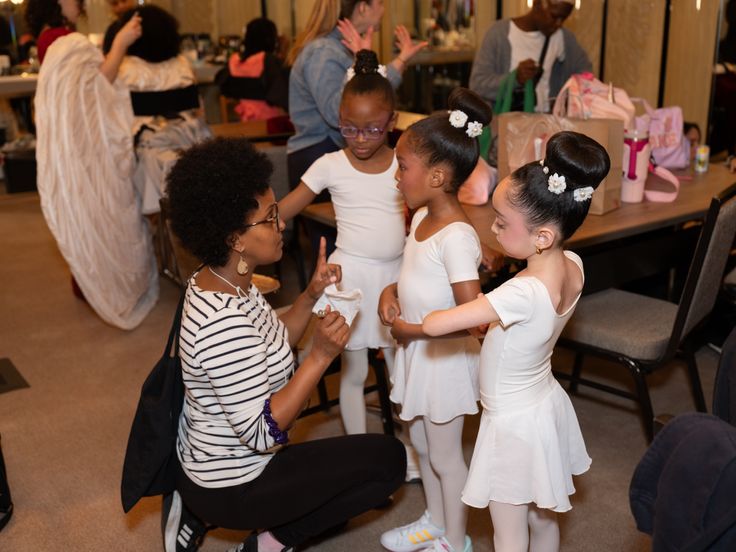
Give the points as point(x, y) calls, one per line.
point(346, 303)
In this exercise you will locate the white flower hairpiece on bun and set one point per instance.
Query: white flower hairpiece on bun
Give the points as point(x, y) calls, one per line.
point(556, 184)
point(381, 71)
point(458, 118)
point(475, 129)
point(583, 194)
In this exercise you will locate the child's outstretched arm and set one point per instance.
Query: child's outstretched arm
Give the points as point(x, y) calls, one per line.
point(296, 200)
point(463, 317)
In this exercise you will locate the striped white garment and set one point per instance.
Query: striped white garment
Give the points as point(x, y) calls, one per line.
point(235, 353)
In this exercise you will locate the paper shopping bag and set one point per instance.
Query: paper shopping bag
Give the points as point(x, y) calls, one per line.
point(523, 138)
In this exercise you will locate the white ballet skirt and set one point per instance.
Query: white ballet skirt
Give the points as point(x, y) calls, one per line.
point(529, 443)
point(436, 378)
point(371, 277)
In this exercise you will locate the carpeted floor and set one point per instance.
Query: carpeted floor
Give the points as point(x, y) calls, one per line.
point(64, 436)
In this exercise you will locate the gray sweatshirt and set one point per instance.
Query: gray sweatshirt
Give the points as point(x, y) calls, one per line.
point(492, 62)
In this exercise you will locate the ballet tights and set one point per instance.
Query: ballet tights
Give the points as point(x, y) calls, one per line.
point(353, 373)
point(518, 528)
point(443, 469)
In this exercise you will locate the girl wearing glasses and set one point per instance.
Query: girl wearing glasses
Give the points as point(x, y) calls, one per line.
point(370, 219)
point(436, 380)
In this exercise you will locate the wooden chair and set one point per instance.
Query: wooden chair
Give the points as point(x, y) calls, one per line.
point(643, 333)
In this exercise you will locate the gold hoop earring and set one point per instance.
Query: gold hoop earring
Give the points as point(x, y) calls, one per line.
point(242, 267)
point(539, 250)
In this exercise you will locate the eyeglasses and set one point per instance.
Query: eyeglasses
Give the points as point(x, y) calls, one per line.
point(273, 218)
point(370, 133)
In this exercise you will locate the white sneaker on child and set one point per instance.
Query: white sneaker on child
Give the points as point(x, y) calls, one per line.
point(413, 474)
point(414, 536)
point(441, 545)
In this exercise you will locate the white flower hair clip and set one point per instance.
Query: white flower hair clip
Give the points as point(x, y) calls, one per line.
point(556, 184)
point(583, 194)
point(475, 129)
point(381, 71)
point(458, 118)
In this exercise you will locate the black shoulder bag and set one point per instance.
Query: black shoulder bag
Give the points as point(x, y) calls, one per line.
point(150, 462)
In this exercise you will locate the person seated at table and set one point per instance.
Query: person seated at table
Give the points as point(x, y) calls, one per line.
point(84, 153)
point(242, 390)
point(256, 75)
point(518, 44)
point(165, 99)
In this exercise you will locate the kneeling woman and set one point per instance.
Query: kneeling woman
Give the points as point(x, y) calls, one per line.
point(242, 393)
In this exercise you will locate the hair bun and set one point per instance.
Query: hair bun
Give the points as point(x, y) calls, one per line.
point(471, 104)
point(580, 159)
point(366, 62)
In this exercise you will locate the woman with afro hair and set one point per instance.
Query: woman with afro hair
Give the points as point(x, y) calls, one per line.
point(242, 392)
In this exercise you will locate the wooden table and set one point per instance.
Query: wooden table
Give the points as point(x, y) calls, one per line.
point(628, 220)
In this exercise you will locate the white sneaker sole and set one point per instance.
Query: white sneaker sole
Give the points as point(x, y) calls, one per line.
point(172, 523)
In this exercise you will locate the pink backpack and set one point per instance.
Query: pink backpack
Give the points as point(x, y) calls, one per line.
point(669, 145)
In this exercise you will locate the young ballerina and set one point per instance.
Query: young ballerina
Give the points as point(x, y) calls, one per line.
point(370, 220)
point(435, 380)
point(529, 443)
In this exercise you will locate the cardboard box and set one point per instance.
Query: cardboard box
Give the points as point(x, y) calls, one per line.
point(522, 138)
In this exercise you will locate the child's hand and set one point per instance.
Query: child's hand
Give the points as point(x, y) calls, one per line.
point(352, 39)
point(325, 273)
point(400, 331)
point(491, 260)
point(388, 306)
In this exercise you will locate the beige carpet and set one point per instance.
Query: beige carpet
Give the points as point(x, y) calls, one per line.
point(64, 437)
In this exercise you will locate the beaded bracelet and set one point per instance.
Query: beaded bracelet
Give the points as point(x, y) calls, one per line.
point(279, 437)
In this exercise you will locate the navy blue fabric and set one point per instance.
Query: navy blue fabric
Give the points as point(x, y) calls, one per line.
point(682, 492)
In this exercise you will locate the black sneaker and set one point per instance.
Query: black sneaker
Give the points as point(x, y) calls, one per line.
point(181, 529)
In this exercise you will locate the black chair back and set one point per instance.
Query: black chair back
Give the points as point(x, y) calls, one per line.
point(707, 268)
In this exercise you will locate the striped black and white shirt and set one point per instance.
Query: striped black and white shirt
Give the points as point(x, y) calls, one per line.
point(235, 353)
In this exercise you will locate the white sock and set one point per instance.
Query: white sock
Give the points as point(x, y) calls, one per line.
point(353, 373)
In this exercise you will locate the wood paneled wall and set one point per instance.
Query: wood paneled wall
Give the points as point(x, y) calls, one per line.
point(634, 46)
point(690, 57)
point(633, 49)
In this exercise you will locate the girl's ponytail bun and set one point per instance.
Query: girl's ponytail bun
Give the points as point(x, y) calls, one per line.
point(366, 62)
point(471, 104)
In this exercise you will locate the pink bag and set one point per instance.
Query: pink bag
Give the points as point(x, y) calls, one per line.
point(585, 97)
point(661, 195)
point(477, 188)
point(669, 145)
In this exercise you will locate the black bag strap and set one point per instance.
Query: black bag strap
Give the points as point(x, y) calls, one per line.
point(542, 57)
point(174, 332)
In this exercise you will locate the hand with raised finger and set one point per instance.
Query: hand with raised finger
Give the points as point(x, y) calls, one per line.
point(324, 274)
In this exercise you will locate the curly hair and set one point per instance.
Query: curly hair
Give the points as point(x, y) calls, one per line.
point(212, 189)
point(40, 13)
point(159, 39)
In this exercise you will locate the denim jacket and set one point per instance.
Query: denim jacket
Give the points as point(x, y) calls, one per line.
point(315, 90)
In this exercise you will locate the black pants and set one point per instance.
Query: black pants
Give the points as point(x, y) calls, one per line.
point(306, 488)
point(298, 163)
